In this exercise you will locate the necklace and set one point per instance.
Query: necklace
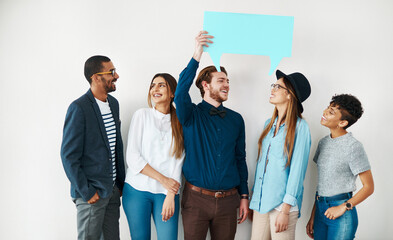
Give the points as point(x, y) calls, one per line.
point(160, 129)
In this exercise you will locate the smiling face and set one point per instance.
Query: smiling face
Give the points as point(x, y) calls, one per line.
point(331, 118)
point(281, 95)
point(107, 81)
point(218, 88)
point(160, 92)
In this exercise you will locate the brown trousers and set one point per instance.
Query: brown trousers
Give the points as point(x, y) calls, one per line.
point(201, 212)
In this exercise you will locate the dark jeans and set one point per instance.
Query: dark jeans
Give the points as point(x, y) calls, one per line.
point(342, 228)
point(201, 212)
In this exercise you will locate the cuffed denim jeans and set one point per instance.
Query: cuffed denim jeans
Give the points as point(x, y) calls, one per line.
point(342, 228)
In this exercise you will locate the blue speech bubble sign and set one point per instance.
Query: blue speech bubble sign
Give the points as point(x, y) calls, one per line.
point(252, 34)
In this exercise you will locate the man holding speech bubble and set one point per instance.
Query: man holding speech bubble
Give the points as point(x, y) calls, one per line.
point(215, 168)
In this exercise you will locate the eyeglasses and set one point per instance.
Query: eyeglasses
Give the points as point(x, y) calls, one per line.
point(112, 72)
point(275, 87)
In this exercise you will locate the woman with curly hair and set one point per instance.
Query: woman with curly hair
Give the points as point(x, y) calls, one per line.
point(340, 158)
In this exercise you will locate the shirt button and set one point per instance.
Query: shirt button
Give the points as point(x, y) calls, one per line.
point(219, 129)
point(219, 155)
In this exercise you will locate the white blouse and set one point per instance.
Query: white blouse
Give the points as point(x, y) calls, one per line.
point(149, 141)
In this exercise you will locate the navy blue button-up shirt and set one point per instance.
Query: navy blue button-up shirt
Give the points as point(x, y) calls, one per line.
point(214, 146)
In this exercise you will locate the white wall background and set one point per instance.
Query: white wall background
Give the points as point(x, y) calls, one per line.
point(341, 46)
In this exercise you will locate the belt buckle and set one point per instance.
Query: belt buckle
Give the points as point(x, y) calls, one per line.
point(219, 194)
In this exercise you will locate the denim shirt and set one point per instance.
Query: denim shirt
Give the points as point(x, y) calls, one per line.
point(277, 183)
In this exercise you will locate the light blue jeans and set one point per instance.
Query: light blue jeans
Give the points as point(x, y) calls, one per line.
point(139, 206)
point(342, 228)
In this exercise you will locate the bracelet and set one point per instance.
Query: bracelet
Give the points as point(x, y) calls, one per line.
point(244, 197)
point(284, 213)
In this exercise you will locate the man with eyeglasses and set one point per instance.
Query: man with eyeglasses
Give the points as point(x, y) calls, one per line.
point(92, 153)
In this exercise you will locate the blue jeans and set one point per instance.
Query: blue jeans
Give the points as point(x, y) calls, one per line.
point(342, 228)
point(139, 206)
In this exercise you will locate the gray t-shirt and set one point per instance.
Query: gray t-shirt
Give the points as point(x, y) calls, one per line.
point(339, 161)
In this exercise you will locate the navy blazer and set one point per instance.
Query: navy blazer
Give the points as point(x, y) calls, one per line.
point(85, 151)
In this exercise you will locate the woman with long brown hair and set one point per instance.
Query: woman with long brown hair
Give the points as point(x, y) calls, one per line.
point(283, 151)
point(155, 155)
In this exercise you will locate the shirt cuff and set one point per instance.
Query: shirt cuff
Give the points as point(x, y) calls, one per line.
point(193, 63)
point(138, 166)
point(291, 200)
point(360, 170)
point(177, 175)
point(243, 189)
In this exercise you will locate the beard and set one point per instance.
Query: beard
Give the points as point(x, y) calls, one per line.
point(108, 86)
point(215, 94)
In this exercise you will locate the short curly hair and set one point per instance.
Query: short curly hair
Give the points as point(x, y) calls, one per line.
point(350, 107)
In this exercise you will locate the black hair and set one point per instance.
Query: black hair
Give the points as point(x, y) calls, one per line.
point(350, 107)
point(94, 65)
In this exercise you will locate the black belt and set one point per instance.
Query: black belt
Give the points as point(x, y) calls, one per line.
point(341, 196)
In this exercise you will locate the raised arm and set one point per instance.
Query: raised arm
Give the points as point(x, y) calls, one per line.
point(182, 100)
point(201, 41)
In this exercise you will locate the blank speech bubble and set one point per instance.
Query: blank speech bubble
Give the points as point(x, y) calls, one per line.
point(252, 34)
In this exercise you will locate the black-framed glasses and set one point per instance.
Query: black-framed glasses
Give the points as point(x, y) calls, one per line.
point(275, 87)
point(112, 72)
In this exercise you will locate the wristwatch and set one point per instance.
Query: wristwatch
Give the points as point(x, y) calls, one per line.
point(348, 205)
point(244, 197)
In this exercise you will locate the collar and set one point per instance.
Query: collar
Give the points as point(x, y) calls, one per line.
point(101, 102)
point(161, 115)
point(207, 106)
point(348, 134)
point(90, 95)
point(275, 123)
